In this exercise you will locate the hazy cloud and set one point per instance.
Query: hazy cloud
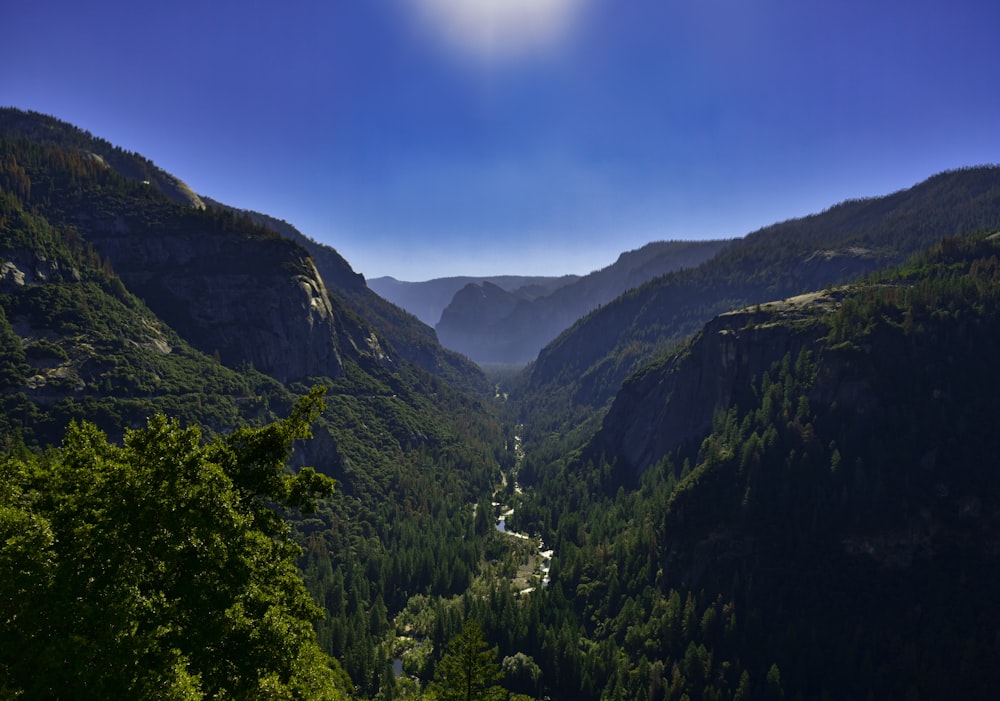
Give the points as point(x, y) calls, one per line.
point(499, 29)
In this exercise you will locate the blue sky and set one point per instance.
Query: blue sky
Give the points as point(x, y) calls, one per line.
point(424, 138)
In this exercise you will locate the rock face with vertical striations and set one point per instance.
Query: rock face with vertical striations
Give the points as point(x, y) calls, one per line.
point(229, 286)
point(671, 405)
point(400, 334)
point(252, 299)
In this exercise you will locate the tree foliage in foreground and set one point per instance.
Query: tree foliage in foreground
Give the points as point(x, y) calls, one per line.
point(159, 568)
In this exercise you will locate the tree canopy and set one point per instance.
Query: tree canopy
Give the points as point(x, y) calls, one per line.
point(159, 568)
point(469, 670)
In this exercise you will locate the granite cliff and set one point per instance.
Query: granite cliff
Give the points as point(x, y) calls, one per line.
point(230, 284)
point(399, 333)
point(249, 299)
point(670, 405)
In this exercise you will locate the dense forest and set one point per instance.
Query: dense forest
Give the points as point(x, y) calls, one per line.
point(586, 365)
point(754, 479)
point(410, 453)
point(831, 537)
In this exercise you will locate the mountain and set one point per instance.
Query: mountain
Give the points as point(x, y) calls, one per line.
point(44, 129)
point(671, 405)
point(232, 289)
point(800, 501)
point(790, 493)
point(428, 299)
point(118, 303)
point(76, 344)
point(587, 364)
point(491, 325)
point(399, 330)
point(224, 325)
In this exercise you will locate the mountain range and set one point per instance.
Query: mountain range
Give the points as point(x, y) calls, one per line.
point(588, 363)
point(506, 320)
point(491, 325)
point(427, 300)
point(761, 468)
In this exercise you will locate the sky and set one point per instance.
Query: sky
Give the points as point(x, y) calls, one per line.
point(429, 138)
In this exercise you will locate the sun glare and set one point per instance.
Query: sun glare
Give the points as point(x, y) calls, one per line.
point(499, 29)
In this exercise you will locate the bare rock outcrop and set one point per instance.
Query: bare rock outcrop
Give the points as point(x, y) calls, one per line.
point(248, 299)
point(672, 405)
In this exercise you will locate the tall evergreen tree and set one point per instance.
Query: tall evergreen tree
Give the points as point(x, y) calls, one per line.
point(469, 670)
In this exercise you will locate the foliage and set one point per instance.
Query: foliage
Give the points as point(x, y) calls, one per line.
point(157, 569)
point(578, 373)
point(469, 670)
point(807, 547)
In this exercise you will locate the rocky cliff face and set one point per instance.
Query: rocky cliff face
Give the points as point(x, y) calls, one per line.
point(671, 405)
point(399, 334)
point(589, 361)
point(250, 299)
point(229, 286)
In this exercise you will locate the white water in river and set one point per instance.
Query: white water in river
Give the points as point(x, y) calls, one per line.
point(545, 555)
point(505, 513)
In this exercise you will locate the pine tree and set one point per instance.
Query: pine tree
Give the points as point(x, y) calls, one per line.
point(469, 670)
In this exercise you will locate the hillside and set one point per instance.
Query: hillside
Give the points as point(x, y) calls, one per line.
point(587, 364)
point(799, 502)
point(399, 330)
point(77, 344)
point(493, 325)
point(43, 129)
point(117, 303)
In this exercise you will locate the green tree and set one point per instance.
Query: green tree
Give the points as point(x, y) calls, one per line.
point(159, 568)
point(522, 673)
point(469, 670)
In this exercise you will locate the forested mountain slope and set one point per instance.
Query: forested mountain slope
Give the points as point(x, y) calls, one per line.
point(44, 129)
point(117, 303)
point(586, 365)
point(824, 526)
point(77, 344)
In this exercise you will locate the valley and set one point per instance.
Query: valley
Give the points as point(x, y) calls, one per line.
point(535, 559)
point(755, 468)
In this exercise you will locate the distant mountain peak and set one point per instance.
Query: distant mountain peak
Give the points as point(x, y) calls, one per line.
point(493, 325)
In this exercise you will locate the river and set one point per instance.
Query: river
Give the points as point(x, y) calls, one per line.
point(544, 556)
